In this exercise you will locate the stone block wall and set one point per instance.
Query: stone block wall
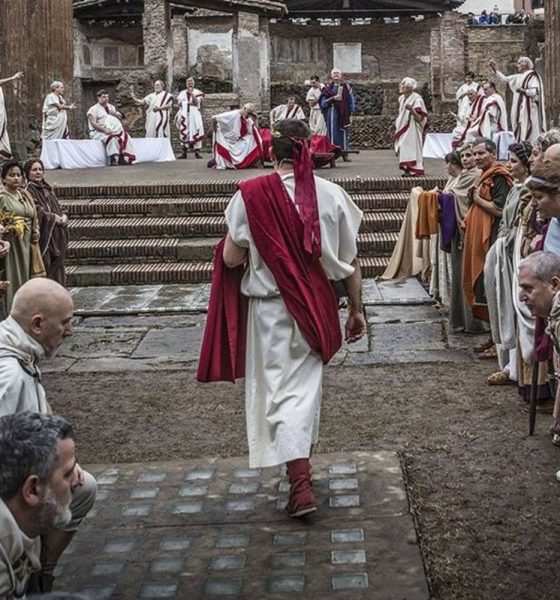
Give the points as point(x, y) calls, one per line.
point(389, 51)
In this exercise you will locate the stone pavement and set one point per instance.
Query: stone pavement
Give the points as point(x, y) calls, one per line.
point(215, 529)
point(369, 163)
point(139, 328)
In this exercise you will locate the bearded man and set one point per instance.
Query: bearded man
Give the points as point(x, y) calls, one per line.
point(40, 318)
point(290, 110)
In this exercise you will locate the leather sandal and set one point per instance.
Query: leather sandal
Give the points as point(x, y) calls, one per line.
point(500, 378)
point(488, 353)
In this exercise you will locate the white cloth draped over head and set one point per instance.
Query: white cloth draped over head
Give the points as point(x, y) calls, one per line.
point(158, 121)
point(409, 134)
point(283, 376)
point(189, 120)
point(55, 120)
point(234, 148)
point(5, 148)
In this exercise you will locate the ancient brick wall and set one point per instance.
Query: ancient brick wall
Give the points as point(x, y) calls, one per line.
point(389, 51)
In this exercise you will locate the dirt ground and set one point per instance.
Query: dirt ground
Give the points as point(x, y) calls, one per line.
point(483, 492)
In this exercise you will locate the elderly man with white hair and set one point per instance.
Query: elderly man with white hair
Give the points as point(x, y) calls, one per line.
point(410, 125)
point(55, 113)
point(527, 113)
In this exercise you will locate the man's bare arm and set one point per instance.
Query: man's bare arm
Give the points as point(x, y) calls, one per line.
point(355, 327)
point(234, 255)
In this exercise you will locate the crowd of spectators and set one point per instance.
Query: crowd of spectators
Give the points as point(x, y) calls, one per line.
point(519, 17)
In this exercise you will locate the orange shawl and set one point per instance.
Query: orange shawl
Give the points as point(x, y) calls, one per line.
point(427, 223)
point(478, 225)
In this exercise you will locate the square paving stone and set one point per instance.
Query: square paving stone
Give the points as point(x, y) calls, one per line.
point(199, 474)
point(158, 590)
point(283, 487)
point(100, 343)
point(288, 559)
point(187, 508)
point(244, 488)
point(119, 546)
point(98, 592)
point(246, 473)
point(408, 336)
point(193, 489)
point(349, 581)
point(232, 541)
point(290, 538)
point(175, 543)
point(289, 583)
point(114, 567)
point(404, 291)
point(348, 557)
point(226, 563)
point(346, 501)
point(223, 587)
point(138, 510)
point(170, 341)
point(242, 504)
point(166, 565)
point(107, 478)
point(143, 493)
point(343, 484)
point(152, 477)
point(343, 469)
point(347, 535)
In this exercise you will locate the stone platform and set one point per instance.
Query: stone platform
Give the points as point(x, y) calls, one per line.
point(212, 528)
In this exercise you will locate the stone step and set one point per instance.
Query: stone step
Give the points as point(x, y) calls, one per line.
point(202, 205)
point(171, 272)
point(228, 187)
point(127, 227)
point(176, 249)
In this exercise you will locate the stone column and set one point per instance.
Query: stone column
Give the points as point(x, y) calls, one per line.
point(158, 51)
point(179, 36)
point(552, 61)
point(251, 74)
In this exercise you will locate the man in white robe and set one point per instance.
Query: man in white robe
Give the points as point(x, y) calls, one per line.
point(55, 114)
point(104, 122)
point(528, 118)
point(410, 127)
point(493, 116)
point(464, 97)
point(290, 110)
point(40, 318)
point(158, 109)
point(316, 120)
point(5, 148)
point(283, 374)
point(189, 119)
point(237, 141)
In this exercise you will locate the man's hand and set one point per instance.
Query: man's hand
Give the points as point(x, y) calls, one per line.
point(355, 327)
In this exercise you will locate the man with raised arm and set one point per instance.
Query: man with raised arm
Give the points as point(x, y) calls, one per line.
point(158, 110)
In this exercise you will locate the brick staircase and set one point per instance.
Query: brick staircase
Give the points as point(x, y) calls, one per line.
point(165, 233)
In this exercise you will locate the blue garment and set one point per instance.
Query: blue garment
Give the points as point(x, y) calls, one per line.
point(336, 135)
point(552, 239)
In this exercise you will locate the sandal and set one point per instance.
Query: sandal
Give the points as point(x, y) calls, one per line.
point(484, 346)
point(488, 353)
point(500, 378)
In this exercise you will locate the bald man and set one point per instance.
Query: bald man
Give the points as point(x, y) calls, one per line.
point(40, 319)
point(552, 156)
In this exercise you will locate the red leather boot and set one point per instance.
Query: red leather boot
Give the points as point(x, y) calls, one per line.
point(302, 499)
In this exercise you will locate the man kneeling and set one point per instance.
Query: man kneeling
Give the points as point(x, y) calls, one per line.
point(37, 478)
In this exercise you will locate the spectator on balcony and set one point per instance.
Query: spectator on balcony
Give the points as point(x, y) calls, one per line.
point(519, 17)
point(494, 18)
point(484, 19)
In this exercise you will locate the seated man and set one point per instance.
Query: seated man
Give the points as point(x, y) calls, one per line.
point(237, 141)
point(37, 477)
point(290, 110)
point(104, 122)
point(41, 317)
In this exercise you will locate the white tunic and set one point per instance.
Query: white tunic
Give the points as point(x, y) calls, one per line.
point(189, 120)
point(528, 118)
point(231, 149)
point(283, 112)
point(409, 135)
point(5, 148)
point(316, 120)
point(118, 142)
point(55, 120)
point(463, 102)
point(283, 376)
point(493, 119)
point(157, 121)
